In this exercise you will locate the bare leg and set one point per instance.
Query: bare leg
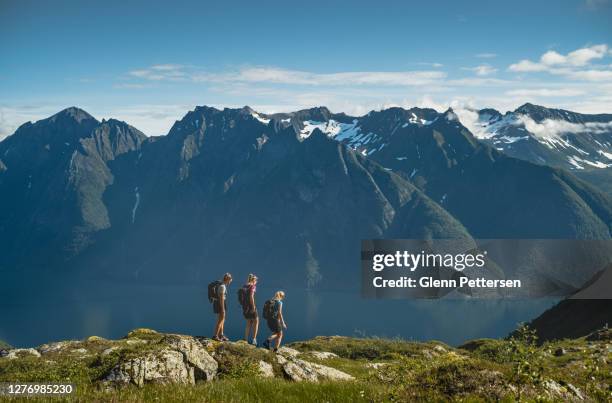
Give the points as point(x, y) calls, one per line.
point(279, 339)
point(255, 327)
point(247, 331)
point(219, 325)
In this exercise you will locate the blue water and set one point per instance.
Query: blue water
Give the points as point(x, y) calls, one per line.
point(111, 310)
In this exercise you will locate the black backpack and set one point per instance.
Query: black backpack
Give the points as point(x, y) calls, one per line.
point(243, 295)
point(213, 290)
point(269, 309)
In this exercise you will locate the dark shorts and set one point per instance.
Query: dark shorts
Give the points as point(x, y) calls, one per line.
point(217, 306)
point(275, 325)
point(250, 314)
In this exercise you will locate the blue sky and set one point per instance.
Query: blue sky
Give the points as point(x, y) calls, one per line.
point(149, 62)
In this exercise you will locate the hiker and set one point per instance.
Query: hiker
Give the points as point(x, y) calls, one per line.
point(246, 297)
point(217, 293)
point(273, 313)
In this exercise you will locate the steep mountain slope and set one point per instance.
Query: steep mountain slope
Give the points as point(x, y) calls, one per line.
point(287, 195)
point(588, 310)
point(231, 190)
point(52, 177)
point(493, 195)
point(577, 142)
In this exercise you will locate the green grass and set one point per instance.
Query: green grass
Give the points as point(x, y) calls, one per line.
point(237, 390)
point(480, 370)
point(364, 348)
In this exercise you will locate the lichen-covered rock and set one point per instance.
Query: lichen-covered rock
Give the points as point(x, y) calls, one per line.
point(56, 347)
point(265, 369)
point(19, 352)
point(280, 359)
point(165, 366)
point(300, 370)
point(92, 339)
point(438, 348)
point(567, 392)
point(288, 352)
point(110, 350)
point(195, 354)
point(180, 359)
point(79, 351)
point(323, 355)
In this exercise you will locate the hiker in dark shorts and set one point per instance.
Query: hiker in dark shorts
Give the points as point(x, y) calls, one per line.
point(219, 302)
point(275, 319)
point(249, 309)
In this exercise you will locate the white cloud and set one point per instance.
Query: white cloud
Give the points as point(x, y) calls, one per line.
point(579, 57)
point(552, 128)
point(11, 117)
point(570, 65)
point(159, 72)
point(275, 75)
point(525, 66)
point(545, 92)
point(486, 55)
point(482, 70)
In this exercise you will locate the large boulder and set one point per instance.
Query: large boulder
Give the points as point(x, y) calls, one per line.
point(196, 355)
point(181, 359)
point(265, 369)
point(20, 352)
point(299, 370)
point(165, 366)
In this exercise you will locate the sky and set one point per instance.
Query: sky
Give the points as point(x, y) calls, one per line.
point(149, 62)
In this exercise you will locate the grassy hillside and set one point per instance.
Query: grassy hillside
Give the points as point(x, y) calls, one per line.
point(372, 369)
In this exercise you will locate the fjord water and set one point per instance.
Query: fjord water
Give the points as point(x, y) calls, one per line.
point(32, 317)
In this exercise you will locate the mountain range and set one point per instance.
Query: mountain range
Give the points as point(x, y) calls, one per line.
point(291, 194)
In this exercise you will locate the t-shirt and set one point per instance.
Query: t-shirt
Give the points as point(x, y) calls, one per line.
point(279, 305)
point(222, 290)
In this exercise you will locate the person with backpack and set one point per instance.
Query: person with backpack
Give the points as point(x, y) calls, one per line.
point(217, 293)
point(246, 297)
point(273, 313)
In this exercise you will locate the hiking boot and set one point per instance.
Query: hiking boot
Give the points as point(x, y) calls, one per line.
point(224, 338)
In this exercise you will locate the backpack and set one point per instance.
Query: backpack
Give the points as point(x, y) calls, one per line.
point(213, 288)
point(269, 309)
point(243, 295)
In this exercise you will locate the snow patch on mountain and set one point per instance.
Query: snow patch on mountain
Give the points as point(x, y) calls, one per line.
point(347, 133)
point(261, 118)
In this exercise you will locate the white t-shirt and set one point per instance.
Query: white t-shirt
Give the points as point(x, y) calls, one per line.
point(222, 290)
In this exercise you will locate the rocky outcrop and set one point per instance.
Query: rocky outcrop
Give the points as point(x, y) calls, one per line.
point(166, 366)
point(299, 370)
point(20, 352)
point(183, 359)
point(195, 355)
point(265, 369)
point(323, 355)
